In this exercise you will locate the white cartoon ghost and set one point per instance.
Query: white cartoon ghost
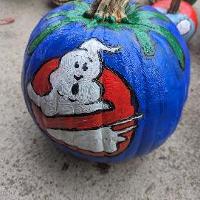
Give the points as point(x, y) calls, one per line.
point(75, 88)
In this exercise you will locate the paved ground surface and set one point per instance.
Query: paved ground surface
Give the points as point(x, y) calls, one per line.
point(30, 166)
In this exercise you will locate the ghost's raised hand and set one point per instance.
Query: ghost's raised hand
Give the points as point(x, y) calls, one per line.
point(111, 138)
point(102, 139)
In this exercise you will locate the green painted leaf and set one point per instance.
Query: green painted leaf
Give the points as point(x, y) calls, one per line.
point(34, 44)
point(145, 42)
point(59, 14)
point(139, 21)
point(163, 32)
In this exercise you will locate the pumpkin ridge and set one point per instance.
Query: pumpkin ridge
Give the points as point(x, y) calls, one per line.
point(166, 34)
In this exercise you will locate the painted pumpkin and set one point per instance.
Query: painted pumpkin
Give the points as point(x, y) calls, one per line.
point(186, 19)
point(106, 91)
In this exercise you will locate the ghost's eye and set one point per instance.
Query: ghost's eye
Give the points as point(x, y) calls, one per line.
point(85, 68)
point(76, 65)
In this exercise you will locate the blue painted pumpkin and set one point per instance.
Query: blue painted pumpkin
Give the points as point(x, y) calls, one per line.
point(106, 91)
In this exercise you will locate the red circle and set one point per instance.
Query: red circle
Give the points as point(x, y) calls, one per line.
point(116, 92)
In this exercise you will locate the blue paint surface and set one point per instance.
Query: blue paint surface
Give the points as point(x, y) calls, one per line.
point(159, 83)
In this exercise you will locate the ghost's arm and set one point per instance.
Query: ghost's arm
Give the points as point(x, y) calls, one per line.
point(94, 92)
point(102, 139)
point(91, 93)
point(98, 102)
point(33, 96)
point(110, 139)
point(48, 103)
point(89, 99)
point(90, 108)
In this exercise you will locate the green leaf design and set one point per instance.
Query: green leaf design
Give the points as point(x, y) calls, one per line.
point(140, 22)
point(145, 42)
point(49, 30)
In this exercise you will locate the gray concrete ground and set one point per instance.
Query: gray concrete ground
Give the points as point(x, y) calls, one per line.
point(32, 168)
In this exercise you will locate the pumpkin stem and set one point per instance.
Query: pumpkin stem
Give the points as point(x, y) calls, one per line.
point(110, 10)
point(174, 7)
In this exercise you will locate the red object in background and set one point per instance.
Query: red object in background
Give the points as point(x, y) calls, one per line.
point(6, 21)
point(185, 8)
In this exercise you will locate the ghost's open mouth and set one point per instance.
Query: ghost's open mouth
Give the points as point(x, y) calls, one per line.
point(75, 89)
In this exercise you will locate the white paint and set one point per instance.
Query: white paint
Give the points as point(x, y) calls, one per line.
point(102, 139)
point(78, 69)
point(99, 140)
point(184, 26)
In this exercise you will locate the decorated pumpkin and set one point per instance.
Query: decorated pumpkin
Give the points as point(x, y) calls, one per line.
point(106, 86)
point(185, 18)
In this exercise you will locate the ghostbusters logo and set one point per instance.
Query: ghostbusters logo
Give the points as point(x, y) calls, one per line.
point(76, 101)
